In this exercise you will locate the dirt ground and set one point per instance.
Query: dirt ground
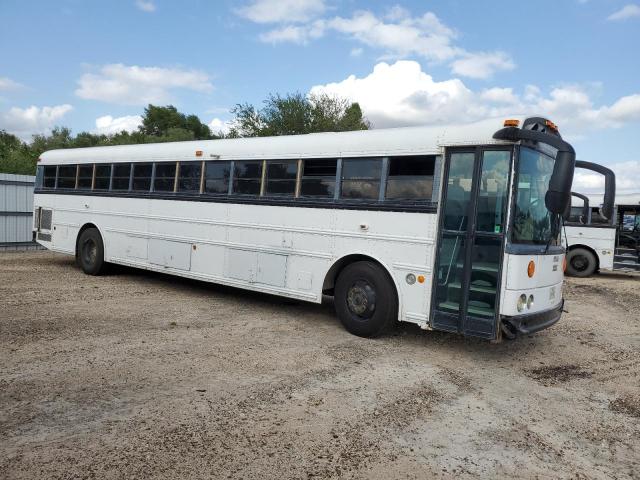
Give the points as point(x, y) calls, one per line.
point(141, 375)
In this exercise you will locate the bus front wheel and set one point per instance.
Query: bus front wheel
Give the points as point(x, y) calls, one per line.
point(365, 299)
point(581, 263)
point(91, 252)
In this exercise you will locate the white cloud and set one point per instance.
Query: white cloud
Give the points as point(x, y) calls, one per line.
point(219, 126)
point(294, 33)
point(397, 35)
point(282, 11)
point(25, 122)
point(108, 125)
point(135, 85)
point(146, 5)
point(590, 183)
point(356, 52)
point(482, 64)
point(8, 84)
point(626, 12)
point(426, 36)
point(402, 94)
point(499, 95)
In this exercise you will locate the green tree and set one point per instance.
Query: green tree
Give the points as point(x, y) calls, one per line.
point(297, 113)
point(15, 155)
point(166, 121)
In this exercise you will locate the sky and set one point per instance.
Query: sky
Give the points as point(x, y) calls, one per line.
point(93, 66)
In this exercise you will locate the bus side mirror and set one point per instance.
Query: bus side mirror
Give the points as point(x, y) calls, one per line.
point(559, 194)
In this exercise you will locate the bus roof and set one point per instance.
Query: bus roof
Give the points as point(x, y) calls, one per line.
point(391, 141)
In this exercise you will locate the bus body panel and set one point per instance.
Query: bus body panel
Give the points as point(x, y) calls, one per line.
point(545, 285)
point(281, 250)
point(602, 240)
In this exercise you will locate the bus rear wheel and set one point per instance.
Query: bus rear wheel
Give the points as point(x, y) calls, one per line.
point(581, 263)
point(365, 299)
point(91, 252)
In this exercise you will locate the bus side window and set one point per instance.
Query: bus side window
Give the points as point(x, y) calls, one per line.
point(103, 177)
point(361, 178)
point(247, 177)
point(121, 174)
point(142, 177)
point(85, 176)
point(189, 177)
point(318, 177)
point(67, 176)
point(39, 176)
point(410, 178)
point(165, 177)
point(49, 180)
point(281, 178)
point(216, 177)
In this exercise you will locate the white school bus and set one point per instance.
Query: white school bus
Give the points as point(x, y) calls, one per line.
point(452, 228)
point(606, 237)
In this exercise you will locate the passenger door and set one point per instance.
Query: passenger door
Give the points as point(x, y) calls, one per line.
point(470, 241)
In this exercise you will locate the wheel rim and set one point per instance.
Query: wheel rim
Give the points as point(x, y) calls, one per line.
point(580, 263)
point(89, 252)
point(361, 299)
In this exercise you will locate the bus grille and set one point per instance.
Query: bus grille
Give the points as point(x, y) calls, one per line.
point(45, 237)
point(45, 219)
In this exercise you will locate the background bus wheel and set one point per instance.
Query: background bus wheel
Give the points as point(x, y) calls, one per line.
point(365, 299)
point(581, 263)
point(91, 252)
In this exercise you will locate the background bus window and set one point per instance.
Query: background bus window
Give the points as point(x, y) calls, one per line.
point(189, 177)
point(67, 176)
point(361, 178)
point(85, 176)
point(492, 192)
point(49, 176)
point(121, 172)
point(142, 176)
point(281, 178)
point(165, 177)
point(103, 177)
point(217, 177)
point(319, 177)
point(410, 178)
point(247, 177)
point(39, 176)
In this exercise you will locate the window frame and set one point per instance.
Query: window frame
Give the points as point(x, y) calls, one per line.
point(74, 177)
point(264, 187)
point(383, 164)
point(260, 179)
point(113, 176)
point(135, 177)
point(154, 187)
point(229, 178)
point(389, 177)
point(189, 163)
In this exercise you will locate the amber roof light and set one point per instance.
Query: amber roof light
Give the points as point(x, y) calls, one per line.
point(512, 123)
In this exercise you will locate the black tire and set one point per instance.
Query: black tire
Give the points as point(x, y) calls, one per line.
point(365, 299)
point(90, 254)
point(581, 263)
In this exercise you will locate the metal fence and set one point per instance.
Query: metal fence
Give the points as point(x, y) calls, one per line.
point(16, 212)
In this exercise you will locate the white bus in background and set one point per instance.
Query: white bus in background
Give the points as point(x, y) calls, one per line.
point(605, 237)
point(452, 228)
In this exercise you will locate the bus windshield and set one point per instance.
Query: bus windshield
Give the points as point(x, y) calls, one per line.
point(533, 223)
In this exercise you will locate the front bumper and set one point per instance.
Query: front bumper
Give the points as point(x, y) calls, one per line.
point(531, 323)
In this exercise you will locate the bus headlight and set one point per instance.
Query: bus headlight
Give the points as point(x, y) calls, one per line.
point(530, 302)
point(522, 301)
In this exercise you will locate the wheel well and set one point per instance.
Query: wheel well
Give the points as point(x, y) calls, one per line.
point(82, 229)
point(336, 268)
point(588, 248)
